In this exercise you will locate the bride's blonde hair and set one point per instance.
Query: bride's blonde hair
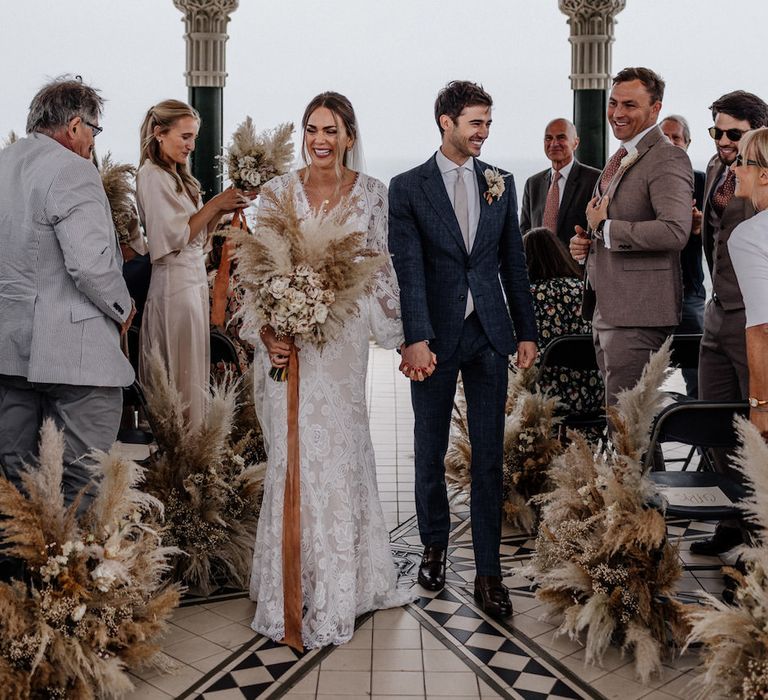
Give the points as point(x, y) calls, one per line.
point(164, 115)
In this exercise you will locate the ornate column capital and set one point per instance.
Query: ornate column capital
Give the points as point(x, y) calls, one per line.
point(206, 36)
point(591, 23)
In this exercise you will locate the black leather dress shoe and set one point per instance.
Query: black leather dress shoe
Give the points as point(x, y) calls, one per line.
point(725, 538)
point(492, 596)
point(432, 567)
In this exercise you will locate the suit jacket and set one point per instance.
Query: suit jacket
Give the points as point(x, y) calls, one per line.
point(434, 269)
point(576, 195)
point(637, 282)
point(62, 294)
point(715, 240)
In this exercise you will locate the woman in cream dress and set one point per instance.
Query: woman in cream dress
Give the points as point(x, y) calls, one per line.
point(177, 224)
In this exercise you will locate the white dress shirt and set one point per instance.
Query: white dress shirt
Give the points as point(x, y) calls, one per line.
point(448, 171)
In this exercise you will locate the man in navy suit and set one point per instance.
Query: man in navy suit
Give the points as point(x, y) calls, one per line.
point(466, 307)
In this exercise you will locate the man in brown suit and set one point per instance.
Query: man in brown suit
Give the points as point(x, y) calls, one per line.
point(639, 221)
point(723, 374)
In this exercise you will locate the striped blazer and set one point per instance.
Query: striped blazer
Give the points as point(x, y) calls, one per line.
point(62, 293)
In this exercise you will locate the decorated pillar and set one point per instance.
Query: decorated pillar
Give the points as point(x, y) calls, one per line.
point(206, 37)
point(591, 23)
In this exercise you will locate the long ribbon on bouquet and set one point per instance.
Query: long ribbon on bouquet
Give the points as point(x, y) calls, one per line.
point(221, 283)
point(292, 598)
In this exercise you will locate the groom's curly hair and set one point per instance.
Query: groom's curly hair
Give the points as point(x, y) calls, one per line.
point(456, 96)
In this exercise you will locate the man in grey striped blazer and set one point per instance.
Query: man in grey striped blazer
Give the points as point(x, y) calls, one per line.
point(63, 301)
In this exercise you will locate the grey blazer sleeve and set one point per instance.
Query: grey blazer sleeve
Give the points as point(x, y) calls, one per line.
point(76, 206)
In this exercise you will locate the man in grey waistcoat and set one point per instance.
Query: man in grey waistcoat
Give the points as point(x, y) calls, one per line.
point(63, 301)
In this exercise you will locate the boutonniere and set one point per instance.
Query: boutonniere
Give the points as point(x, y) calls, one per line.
point(495, 181)
point(627, 161)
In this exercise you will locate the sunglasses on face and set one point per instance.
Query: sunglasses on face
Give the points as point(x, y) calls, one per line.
point(739, 161)
point(732, 134)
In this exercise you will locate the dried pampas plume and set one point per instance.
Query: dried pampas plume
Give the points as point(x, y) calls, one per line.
point(118, 179)
point(252, 159)
point(8, 140)
point(211, 495)
point(602, 558)
point(735, 638)
point(95, 603)
point(529, 447)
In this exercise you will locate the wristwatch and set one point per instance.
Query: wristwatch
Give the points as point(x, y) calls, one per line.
point(597, 232)
point(756, 403)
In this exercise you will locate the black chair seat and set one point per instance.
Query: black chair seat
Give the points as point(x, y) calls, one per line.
point(735, 492)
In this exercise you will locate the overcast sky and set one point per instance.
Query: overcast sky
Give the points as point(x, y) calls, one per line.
point(389, 57)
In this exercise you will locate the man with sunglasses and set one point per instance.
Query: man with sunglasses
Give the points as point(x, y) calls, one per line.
point(723, 374)
point(63, 301)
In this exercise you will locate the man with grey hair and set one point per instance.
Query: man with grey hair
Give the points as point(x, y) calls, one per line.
point(557, 197)
point(675, 128)
point(63, 301)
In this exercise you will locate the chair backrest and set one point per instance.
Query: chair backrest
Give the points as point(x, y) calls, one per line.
point(223, 350)
point(704, 424)
point(685, 350)
point(570, 352)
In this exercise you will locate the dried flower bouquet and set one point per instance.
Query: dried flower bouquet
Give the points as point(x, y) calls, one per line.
point(95, 602)
point(602, 559)
point(118, 179)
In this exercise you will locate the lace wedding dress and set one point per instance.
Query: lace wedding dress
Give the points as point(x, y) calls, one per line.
point(346, 562)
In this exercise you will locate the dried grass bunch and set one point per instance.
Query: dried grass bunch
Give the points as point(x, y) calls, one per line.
point(118, 180)
point(529, 447)
point(8, 140)
point(602, 557)
point(252, 159)
point(303, 277)
point(96, 602)
point(212, 495)
point(735, 638)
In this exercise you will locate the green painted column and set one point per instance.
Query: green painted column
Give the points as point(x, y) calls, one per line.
point(206, 37)
point(591, 23)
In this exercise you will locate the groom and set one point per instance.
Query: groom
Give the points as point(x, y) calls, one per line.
point(457, 251)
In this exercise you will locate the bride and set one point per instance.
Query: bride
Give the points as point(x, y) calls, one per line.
point(346, 563)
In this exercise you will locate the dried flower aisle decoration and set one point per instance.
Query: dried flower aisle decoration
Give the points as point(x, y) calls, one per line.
point(530, 445)
point(735, 637)
point(212, 495)
point(118, 180)
point(603, 560)
point(96, 602)
point(305, 278)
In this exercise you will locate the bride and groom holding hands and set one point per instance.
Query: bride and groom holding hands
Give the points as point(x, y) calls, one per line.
point(463, 307)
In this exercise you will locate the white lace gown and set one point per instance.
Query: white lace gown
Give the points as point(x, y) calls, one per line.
point(347, 567)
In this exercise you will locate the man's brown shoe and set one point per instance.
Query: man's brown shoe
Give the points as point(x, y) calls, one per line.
point(492, 596)
point(432, 567)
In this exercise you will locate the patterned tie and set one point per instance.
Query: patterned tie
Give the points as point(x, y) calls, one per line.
point(611, 168)
point(461, 208)
point(552, 205)
point(723, 194)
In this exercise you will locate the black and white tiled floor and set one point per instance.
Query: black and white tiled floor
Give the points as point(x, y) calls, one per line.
point(441, 646)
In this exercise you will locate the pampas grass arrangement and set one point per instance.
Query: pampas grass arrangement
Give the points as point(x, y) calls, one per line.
point(602, 557)
point(252, 159)
point(304, 277)
point(118, 179)
point(95, 603)
point(735, 638)
point(530, 446)
point(8, 140)
point(212, 495)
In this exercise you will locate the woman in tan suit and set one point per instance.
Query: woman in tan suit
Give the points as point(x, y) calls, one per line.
point(177, 225)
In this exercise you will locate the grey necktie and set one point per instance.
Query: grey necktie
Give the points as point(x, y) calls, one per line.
point(461, 208)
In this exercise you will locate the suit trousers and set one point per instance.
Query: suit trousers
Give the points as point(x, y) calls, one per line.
point(723, 370)
point(623, 351)
point(692, 322)
point(484, 375)
point(88, 415)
